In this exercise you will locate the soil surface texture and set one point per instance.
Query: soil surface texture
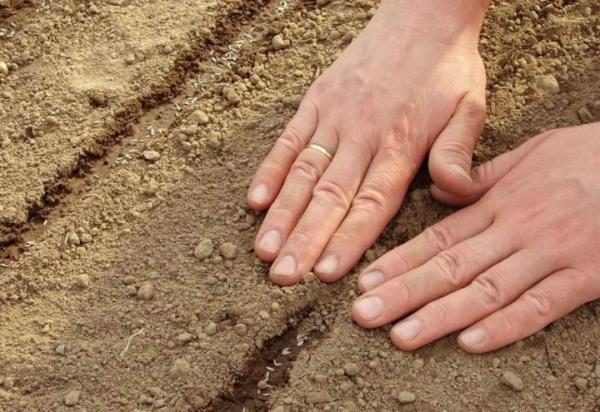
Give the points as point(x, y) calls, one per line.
point(129, 132)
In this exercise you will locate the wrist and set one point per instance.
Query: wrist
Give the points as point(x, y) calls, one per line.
point(449, 21)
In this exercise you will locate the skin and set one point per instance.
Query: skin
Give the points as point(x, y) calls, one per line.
point(408, 84)
point(505, 266)
point(523, 254)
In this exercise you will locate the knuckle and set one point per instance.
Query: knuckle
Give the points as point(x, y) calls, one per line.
point(539, 303)
point(300, 236)
point(401, 291)
point(401, 265)
point(330, 192)
point(459, 150)
point(291, 140)
point(439, 237)
point(484, 172)
point(449, 268)
point(475, 111)
point(488, 288)
point(370, 199)
point(506, 326)
point(305, 169)
point(437, 311)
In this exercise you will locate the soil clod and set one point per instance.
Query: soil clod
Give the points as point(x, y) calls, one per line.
point(512, 380)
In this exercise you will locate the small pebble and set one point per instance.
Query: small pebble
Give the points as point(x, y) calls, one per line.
point(82, 281)
point(131, 290)
point(581, 384)
point(146, 291)
point(231, 96)
point(60, 349)
point(351, 369)
point(199, 117)
point(316, 397)
point(279, 43)
point(204, 249)
point(73, 239)
point(3, 68)
point(229, 250)
point(512, 380)
point(211, 329)
point(548, 84)
point(130, 59)
point(241, 329)
point(180, 368)
point(151, 155)
point(185, 337)
point(585, 115)
point(405, 397)
point(72, 398)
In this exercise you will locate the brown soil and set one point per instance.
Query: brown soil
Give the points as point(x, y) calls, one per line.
point(110, 178)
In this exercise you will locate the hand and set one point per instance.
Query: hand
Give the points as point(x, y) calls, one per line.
point(407, 83)
point(524, 255)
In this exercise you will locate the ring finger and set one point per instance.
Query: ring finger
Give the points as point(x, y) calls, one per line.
point(295, 194)
point(331, 199)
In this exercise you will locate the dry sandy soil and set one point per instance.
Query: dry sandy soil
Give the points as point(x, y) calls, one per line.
point(129, 131)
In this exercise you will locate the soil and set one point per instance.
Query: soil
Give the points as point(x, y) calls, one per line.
point(129, 131)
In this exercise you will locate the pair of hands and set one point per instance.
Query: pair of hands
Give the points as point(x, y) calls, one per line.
point(525, 251)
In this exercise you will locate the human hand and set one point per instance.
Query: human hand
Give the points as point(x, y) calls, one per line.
point(413, 80)
point(525, 254)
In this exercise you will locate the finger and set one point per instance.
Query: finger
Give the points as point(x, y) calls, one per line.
point(490, 291)
point(293, 199)
point(378, 199)
point(452, 152)
point(552, 298)
point(272, 172)
point(487, 175)
point(330, 202)
point(447, 272)
point(457, 227)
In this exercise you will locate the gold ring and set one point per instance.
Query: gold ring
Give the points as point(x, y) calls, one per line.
point(321, 150)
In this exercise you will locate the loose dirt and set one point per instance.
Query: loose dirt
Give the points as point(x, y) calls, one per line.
point(129, 131)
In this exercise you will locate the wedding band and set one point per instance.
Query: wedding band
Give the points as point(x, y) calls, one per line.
point(321, 150)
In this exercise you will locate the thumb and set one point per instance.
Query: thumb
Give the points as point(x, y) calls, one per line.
point(486, 175)
point(452, 152)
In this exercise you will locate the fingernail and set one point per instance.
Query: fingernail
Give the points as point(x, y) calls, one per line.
point(473, 337)
point(327, 266)
point(371, 280)
point(285, 267)
point(259, 194)
point(369, 308)
point(461, 172)
point(407, 330)
point(270, 242)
